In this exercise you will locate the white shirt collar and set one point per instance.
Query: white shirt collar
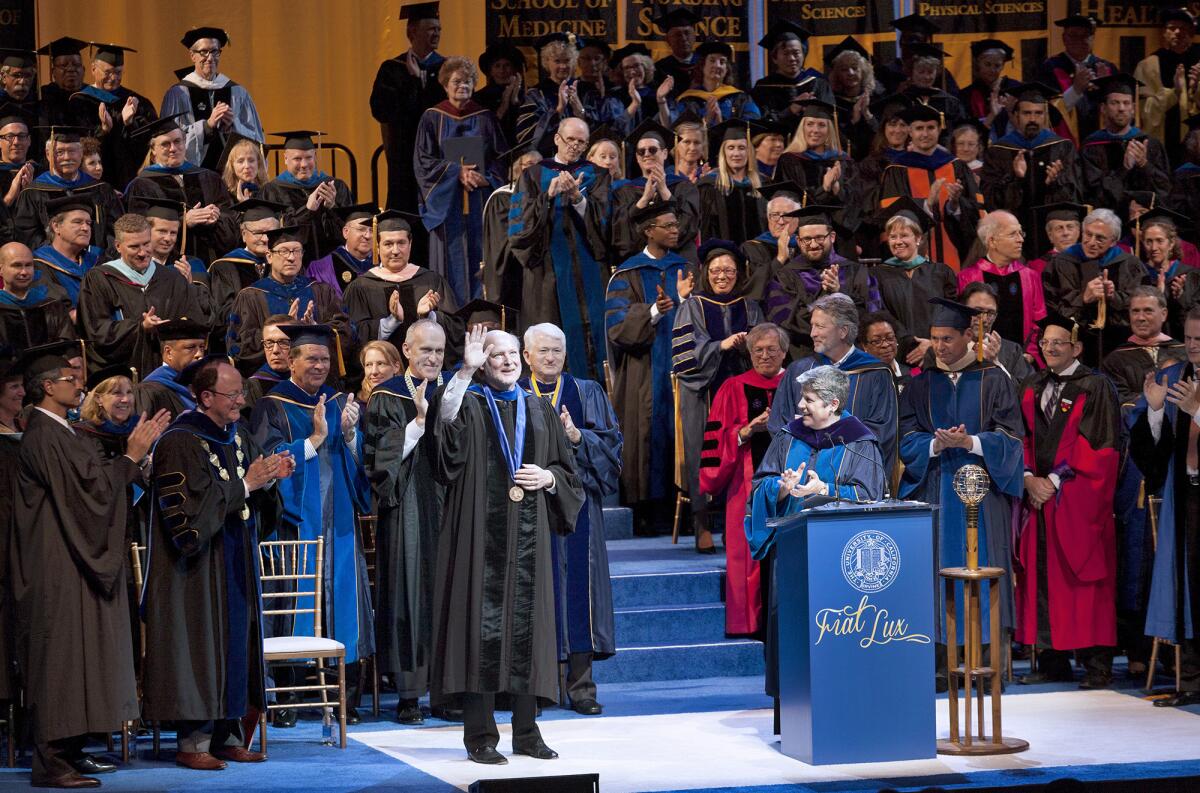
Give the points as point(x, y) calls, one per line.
point(838, 363)
point(56, 417)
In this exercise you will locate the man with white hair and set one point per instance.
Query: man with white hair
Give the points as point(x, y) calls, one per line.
point(1018, 288)
point(1091, 282)
point(772, 249)
point(871, 397)
point(509, 473)
point(558, 227)
point(584, 592)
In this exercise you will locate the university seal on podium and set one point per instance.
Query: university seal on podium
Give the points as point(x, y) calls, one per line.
point(870, 561)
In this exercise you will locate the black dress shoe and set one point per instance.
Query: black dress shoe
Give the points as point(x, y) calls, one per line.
point(91, 764)
point(409, 712)
point(1179, 699)
point(1095, 683)
point(538, 750)
point(352, 716)
point(283, 718)
point(447, 714)
point(68, 781)
point(587, 707)
point(487, 755)
point(1034, 678)
point(940, 684)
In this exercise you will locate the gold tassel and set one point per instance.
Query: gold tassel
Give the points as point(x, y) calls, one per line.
point(679, 483)
point(374, 237)
point(979, 341)
point(337, 340)
point(183, 230)
point(134, 375)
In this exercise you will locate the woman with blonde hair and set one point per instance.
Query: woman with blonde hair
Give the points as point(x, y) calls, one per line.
point(380, 362)
point(691, 148)
point(731, 206)
point(814, 159)
point(852, 80)
point(245, 169)
point(605, 152)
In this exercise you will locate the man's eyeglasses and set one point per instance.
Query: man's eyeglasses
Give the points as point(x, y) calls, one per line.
point(674, 224)
point(232, 396)
point(289, 253)
point(213, 53)
point(818, 239)
point(67, 378)
point(13, 137)
point(271, 344)
point(1054, 344)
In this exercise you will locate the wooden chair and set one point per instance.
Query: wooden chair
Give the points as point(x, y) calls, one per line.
point(137, 563)
point(681, 484)
point(1152, 505)
point(367, 527)
point(287, 562)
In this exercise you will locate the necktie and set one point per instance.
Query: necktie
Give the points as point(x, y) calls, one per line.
point(1051, 404)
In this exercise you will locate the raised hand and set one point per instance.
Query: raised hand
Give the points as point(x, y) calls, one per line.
point(1082, 79)
point(1020, 164)
point(150, 320)
point(394, 307)
point(261, 471)
point(573, 433)
point(421, 403)
point(830, 280)
point(663, 301)
point(733, 340)
point(1054, 171)
point(184, 268)
point(142, 439)
point(684, 284)
point(428, 302)
point(1185, 395)
point(309, 318)
point(350, 415)
point(635, 98)
point(1154, 390)
point(475, 354)
point(783, 248)
point(664, 89)
point(128, 111)
point(1177, 284)
point(106, 122)
point(320, 424)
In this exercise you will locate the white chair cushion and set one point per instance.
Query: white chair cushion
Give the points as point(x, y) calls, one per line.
point(300, 646)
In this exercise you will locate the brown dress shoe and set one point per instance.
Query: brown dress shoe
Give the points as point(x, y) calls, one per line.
point(71, 781)
point(199, 761)
point(236, 754)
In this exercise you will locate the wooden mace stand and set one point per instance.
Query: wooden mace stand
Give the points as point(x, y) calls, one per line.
point(972, 672)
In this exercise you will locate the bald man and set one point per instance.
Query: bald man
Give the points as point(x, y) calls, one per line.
point(30, 313)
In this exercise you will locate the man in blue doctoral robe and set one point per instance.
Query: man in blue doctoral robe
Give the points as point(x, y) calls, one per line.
point(583, 591)
point(557, 229)
point(964, 412)
point(68, 255)
point(639, 316)
point(871, 398)
point(317, 425)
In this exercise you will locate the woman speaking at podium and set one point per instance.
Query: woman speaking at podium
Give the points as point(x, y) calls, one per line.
point(824, 455)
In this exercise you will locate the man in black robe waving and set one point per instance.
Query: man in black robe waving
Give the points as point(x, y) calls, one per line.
point(509, 470)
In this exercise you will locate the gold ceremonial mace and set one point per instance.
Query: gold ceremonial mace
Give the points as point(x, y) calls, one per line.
point(971, 485)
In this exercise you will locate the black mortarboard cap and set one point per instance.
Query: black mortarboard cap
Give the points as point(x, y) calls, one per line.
point(153, 129)
point(324, 335)
point(181, 328)
point(163, 208)
point(815, 108)
point(188, 375)
point(18, 59)
point(1077, 21)
point(109, 372)
point(395, 220)
point(113, 54)
point(786, 188)
point(501, 51)
point(356, 212)
point(253, 209)
point(481, 311)
point(688, 116)
point(1119, 83)
point(713, 48)
point(415, 12)
point(550, 38)
point(582, 43)
point(195, 34)
point(620, 54)
point(730, 129)
point(783, 30)
point(814, 213)
point(848, 44)
point(511, 156)
point(64, 133)
point(983, 45)
point(926, 49)
point(888, 107)
point(651, 127)
point(1032, 91)
point(657, 209)
point(950, 314)
point(301, 139)
point(1176, 15)
point(606, 132)
point(915, 23)
point(984, 133)
point(66, 45)
point(717, 247)
point(1054, 319)
point(1177, 219)
point(676, 18)
point(68, 203)
point(284, 234)
point(921, 112)
point(1062, 210)
point(907, 207)
point(11, 112)
point(45, 358)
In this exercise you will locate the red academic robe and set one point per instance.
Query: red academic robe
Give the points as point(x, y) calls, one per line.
point(1032, 297)
point(726, 467)
point(1079, 531)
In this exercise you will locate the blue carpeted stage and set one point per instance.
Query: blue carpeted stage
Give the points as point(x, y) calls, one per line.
point(684, 710)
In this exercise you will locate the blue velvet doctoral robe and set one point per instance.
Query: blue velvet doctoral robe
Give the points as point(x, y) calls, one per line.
point(871, 398)
point(320, 500)
point(66, 273)
point(582, 587)
point(640, 354)
point(454, 216)
point(985, 402)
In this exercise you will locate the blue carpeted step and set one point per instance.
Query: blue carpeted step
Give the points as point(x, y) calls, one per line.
point(667, 588)
point(618, 523)
point(635, 663)
point(689, 624)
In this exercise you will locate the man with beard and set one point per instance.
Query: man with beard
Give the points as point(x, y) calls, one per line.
point(1030, 166)
point(399, 465)
point(67, 556)
point(1119, 157)
point(204, 665)
point(583, 590)
point(507, 465)
point(817, 271)
point(32, 312)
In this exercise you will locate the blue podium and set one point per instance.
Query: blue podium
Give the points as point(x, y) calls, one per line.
point(855, 591)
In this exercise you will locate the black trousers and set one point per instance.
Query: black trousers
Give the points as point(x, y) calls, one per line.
point(54, 759)
point(1097, 661)
point(479, 720)
point(580, 685)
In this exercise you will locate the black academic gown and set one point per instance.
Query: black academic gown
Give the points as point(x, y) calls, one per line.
point(775, 94)
point(737, 216)
point(366, 300)
point(30, 216)
point(905, 294)
point(195, 186)
point(201, 604)
point(43, 316)
point(1106, 180)
point(1002, 189)
point(494, 628)
point(397, 101)
point(322, 230)
point(1064, 279)
point(110, 315)
point(122, 155)
point(501, 270)
point(797, 285)
point(408, 504)
point(10, 450)
point(626, 241)
point(68, 556)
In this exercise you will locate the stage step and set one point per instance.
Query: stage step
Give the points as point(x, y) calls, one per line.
point(670, 619)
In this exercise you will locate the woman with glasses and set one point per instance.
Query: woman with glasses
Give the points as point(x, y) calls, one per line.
point(657, 183)
point(878, 337)
point(731, 206)
point(210, 106)
point(708, 346)
point(907, 279)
